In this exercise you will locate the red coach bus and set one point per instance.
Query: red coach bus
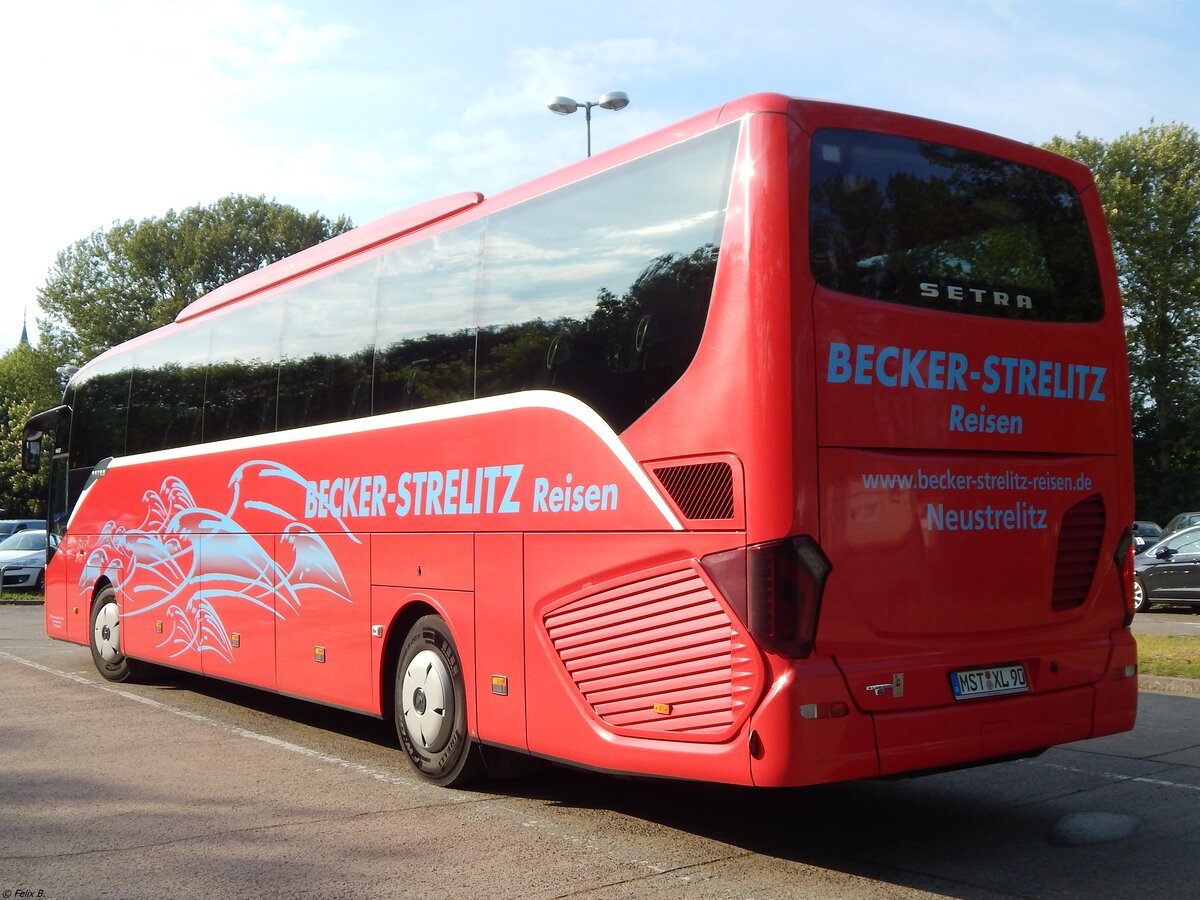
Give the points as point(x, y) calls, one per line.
point(786, 445)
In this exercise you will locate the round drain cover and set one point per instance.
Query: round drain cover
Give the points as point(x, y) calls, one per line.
point(1082, 829)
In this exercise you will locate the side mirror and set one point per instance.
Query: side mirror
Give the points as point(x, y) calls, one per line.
point(40, 426)
point(31, 454)
point(1166, 553)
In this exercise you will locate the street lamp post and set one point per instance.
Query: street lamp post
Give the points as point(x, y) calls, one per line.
point(564, 106)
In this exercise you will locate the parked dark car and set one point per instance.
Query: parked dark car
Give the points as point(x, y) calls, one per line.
point(1181, 521)
point(23, 559)
point(1145, 534)
point(1168, 572)
point(12, 526)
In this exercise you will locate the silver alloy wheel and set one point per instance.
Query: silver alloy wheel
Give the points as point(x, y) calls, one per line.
point(427, 701)
point(106, 633)
point(1139, 595)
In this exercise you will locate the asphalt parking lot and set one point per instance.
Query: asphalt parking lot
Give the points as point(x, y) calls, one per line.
point(184, 787)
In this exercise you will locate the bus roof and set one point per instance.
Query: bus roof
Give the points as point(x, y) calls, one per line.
point(351, 242)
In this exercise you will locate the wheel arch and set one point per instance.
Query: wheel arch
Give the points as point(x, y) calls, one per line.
point(402, 622)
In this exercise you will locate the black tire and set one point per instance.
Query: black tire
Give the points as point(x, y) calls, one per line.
point(1141, 602)
point(110, 659)
point(430, 706)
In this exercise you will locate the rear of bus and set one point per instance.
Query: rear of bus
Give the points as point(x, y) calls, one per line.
point(973, 446)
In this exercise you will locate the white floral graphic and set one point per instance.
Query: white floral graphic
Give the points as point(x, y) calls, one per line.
point(185, 562)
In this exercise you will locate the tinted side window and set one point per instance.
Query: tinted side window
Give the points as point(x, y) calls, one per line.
point(99, 409)
point(908, 221)
point(243, 372)
point(167, 394)
point(425, 342)
point(601, 289)
point(328, 337)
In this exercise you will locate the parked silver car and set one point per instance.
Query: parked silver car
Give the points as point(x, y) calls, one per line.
point(23, 559)
point(1181, 521)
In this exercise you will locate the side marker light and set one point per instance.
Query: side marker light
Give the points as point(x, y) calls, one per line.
point(836, 709)
point(1120, 673)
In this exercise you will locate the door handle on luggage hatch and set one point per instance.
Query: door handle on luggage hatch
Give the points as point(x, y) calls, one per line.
point(896, 686)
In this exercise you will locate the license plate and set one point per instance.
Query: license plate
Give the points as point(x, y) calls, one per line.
point(993, 681)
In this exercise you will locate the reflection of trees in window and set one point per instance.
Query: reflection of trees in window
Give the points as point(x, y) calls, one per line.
point(240, 399)
point(165, 407)
point(424, 371)
point(619, 359)
point(425, 340)
point(594, 290)
point(100, 406)
point(522, 356)
point(328, 347)
point(624, 355)
point(324, 388)
point(899, 212)
point(241, 393)
point(166, 397)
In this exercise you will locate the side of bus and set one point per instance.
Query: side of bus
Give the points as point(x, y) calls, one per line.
point(563, 561)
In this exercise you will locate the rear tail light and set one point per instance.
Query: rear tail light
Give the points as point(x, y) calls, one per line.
point(776, 589)
point(1124, 560)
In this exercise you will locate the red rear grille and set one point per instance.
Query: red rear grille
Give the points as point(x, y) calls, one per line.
point(1079, 545)
point(657, 657)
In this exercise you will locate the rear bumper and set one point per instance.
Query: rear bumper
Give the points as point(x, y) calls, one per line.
point(793, 750)
point(979, 730)
point(987, 729)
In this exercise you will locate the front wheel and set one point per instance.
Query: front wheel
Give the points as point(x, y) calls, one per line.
point(107, 653)
point(431, 706)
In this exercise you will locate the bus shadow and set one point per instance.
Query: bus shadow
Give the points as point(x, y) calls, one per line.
point(949, 833)
point(304, 713)
point(967, 834)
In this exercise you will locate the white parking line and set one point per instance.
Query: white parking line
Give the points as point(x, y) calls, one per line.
point(1113, 776)
point(490, 804)
point(308, 752)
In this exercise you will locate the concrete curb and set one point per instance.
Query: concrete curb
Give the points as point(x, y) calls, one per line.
point(21, 601)
point(1161, 684)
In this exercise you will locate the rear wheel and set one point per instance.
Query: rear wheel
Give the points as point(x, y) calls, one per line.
point(107, 651)
point(431, 706)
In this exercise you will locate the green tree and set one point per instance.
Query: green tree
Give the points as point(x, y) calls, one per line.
point(125, 280)
point(28, 384)
point(1149, 183)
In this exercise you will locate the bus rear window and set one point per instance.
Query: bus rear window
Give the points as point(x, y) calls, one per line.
point(924, 224)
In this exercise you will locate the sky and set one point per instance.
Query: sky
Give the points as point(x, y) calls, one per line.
point(121, 110)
